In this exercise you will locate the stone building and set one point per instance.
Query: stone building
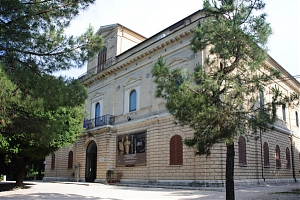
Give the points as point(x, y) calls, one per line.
point(130, 131)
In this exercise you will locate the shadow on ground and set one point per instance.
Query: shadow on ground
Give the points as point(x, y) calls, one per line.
point(52, 196)
point(6, 186)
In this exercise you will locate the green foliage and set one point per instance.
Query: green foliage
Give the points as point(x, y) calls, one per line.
point(219, 99)
point(39, 112)
point(35, 31)
point(44, 118)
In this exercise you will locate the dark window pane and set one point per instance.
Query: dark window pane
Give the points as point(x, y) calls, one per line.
point(53, 161)
point(97, 114)
point(132, 101)
point(70, 160)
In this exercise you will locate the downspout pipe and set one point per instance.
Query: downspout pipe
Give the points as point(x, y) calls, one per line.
point(292, 152)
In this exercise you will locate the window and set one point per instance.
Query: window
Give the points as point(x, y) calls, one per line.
point(288, 158)
point(262, 99)
point(242, 151)
point(176, 150)
point(96, 109)
point(266, 155)
point(278, 162)
point(70, 160)
point(283, 113)
point(132, 101)
point(97, 114)
point(53, 161)
point(102, 59)
point(132, 95)
point(297, 119)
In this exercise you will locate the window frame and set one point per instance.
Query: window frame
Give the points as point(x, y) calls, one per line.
point(284, 112)
point(102, 56)
point(297, 118)
point(261, 99)
point(288, 158)
point(97, 114)
point(53, 161)
point(132, 84)
point(242, 149)
point(98, 98)
point(132, 105)
point(70, 159)
point(266, 154)
point(176, 150)
point(277, 156)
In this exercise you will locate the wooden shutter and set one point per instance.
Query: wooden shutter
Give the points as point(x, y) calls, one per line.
point(288, 158)
point(242, 151)
point(70, 160)
point(53, 161)
point(266, 155)
point(278, 163)
point(176, 150)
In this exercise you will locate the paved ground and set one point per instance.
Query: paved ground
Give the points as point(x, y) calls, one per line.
point(72, 190)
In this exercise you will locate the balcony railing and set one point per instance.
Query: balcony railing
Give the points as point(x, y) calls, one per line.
point(100, 121)
point(95, 70)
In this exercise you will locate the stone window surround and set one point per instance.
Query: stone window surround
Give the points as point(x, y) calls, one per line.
point(95, 100)
point(128, 88)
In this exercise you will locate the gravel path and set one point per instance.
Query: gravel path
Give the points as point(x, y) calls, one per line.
point(72, 190)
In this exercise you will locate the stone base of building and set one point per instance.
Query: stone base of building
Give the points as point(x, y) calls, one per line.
point(59, 179)
point(197, 183)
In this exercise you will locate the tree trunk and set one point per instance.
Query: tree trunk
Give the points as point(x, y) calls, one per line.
point(230, 172)
point(21, 165)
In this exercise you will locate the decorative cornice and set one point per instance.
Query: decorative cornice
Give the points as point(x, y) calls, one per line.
point(291, 83)
point(137, 57)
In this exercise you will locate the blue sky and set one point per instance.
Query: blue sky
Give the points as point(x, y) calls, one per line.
point(150, 17)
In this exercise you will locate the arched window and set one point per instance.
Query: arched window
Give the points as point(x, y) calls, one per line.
point(132, 101)
point(288, 158)
point(102, 59)
point(176, 150)
point(53, 161)
point(266, 155)
point(70, 160)
point(283, 113)
point(278, 162)
point(297, 119)
point(97, 114)
point(242, 151)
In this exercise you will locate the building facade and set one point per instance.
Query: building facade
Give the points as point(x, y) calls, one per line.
point(129, 131)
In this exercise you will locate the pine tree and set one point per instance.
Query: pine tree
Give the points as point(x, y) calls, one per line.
point(39, 112)
point(219, 100)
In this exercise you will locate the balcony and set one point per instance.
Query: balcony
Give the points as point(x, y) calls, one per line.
point(100, 121)
point(100, 67)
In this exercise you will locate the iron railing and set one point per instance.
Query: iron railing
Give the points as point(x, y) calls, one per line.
point(95, 70)
point(100, 121)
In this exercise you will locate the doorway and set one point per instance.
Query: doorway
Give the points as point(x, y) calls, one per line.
point(91, 162)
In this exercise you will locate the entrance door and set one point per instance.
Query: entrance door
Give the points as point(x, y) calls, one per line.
point(91, 162)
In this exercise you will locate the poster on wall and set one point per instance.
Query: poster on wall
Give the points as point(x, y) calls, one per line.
point(131, 149)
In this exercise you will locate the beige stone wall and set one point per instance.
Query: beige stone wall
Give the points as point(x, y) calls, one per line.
point(194, 168)
point(61, 171)
point(133, 71)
